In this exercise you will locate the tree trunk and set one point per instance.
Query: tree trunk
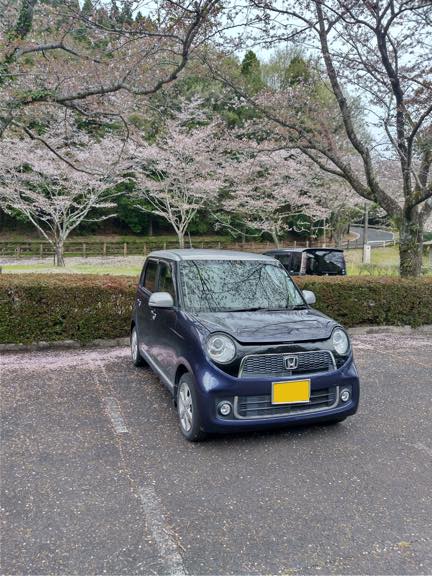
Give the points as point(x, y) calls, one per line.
point(411, 245)
point(58, 254)
point(338, 236)
point(275, 238)
point(180, 236)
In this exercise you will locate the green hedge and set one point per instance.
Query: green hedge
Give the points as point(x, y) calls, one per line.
point(46, 307)
point(361, 300)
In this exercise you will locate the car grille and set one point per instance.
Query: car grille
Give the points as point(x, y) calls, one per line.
point(274, 364)
point(261, 406)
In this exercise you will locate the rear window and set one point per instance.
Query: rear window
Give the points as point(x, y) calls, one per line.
point(325, 262)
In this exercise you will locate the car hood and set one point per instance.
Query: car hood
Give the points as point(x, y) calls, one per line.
point(269, 326)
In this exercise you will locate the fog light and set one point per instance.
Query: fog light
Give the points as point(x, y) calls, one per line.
point(345, 395)
point(224, 408)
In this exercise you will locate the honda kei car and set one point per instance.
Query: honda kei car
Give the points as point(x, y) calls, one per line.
point(238, 345)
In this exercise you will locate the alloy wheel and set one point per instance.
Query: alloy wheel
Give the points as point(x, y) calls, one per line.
point(134, 345)
point(185, 407)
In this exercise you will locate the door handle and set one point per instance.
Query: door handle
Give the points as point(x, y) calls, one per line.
point(153, 314)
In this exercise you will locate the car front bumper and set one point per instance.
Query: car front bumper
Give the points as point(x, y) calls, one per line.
point(215, 386)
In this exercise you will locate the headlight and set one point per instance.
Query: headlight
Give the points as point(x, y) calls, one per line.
point(221, 348)
point(340, 341)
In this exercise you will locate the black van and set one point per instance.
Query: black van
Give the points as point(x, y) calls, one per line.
point(311, 261)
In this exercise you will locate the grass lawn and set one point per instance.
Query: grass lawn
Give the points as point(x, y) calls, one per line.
point(385, 262)
point(130, 266)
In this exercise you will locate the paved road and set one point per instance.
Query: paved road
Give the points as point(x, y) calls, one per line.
point(374, 235)
point(98, 480)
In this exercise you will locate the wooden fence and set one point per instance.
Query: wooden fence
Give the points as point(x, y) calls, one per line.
point(32, 249)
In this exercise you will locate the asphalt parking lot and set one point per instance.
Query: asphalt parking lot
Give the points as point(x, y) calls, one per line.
point(96, 478)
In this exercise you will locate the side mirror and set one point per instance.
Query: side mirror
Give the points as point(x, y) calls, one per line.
point(161, 300)
point(309, 296)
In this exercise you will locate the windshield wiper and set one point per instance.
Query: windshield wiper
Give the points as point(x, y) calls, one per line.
point(258, 308)
point(255, 309)
point(294, 307)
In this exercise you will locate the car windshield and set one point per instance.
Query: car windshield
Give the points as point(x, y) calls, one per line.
point(236, 285)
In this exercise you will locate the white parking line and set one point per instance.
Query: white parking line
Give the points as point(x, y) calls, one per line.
point(114, 413)
point(163, 537)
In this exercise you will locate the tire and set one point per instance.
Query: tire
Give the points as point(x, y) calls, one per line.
point(137, 359)
point(187, 409)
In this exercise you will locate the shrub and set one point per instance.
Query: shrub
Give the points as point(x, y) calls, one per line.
point(360, 300)
point(37, 307)
point(47, 307)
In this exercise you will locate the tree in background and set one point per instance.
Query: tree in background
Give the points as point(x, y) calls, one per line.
point(50, 193)
point(381, 50)
point(87, 9)
point(251, 72)
point(97, 65)
point(179, 174)
point(286, 68)
point(342, 204)
point(270, 191)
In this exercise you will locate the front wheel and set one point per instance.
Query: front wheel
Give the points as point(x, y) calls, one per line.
point(137, 359)
point(188, 411)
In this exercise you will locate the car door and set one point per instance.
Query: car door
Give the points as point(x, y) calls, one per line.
point(165, 341)
point(144, 316)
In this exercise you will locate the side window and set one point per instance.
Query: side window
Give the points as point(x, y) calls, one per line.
point(295, 262)
point(285, 260)
point(150, 276)
point(166, 281)
point(310, 263)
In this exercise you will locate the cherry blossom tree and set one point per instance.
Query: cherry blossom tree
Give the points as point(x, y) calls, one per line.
point(268, 191)
point(378, 52)
point(274, 188)
point(342, 204)
point(180, 174)
point(96, 62)
point(53, 195)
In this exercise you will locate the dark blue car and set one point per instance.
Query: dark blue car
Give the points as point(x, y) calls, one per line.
point(238, 344)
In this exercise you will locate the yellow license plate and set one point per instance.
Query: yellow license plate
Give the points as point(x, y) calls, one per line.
point(293, 392)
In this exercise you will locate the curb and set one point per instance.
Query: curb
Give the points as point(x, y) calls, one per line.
point(363, 330)
point(63, 345)
point(73, 344)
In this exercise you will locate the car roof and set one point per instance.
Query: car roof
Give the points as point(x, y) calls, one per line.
point(285, 250)
point(207, 254)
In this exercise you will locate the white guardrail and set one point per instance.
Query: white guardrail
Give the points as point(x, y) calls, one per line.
point(382, 243)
